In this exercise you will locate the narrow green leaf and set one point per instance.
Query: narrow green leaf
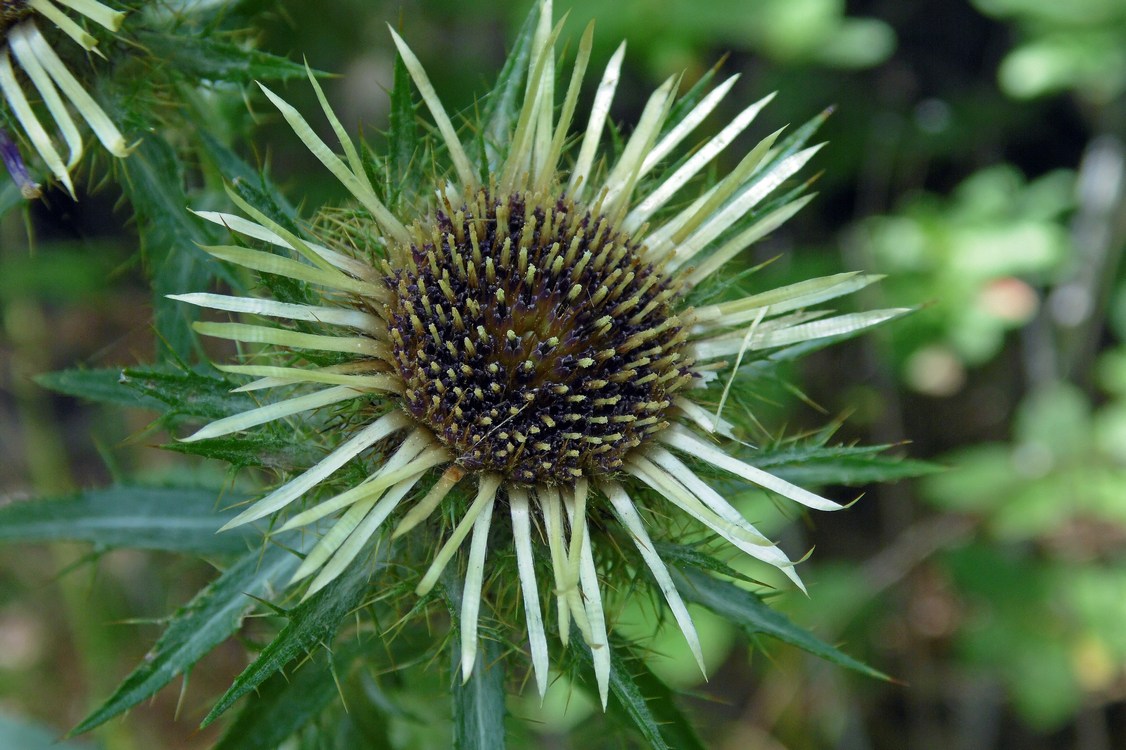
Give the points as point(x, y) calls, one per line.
point(479, 703)
point(688, 101)
point(847, 465)
point(404, 143)
point(274, 449)
point(796, 141)
point(750, 613)
point(101, 386)
point(311, 623)
point(211, 59)
point(682, 554)
point(170, 519)
point(285, 703)
point(503, 104)
point(250, 184)
point(207, 620)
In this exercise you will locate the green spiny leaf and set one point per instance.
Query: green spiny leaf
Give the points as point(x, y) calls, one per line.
point(503, 104)
point(101, 386)
point(479, 703)
point(207, 620)
point(750, 613)
point(171, 519)
point(404, 143)
point(691, 556)
point(170, 239)
point(250, 184)
point(187, 393)
point(311, 624)
point(638, 698)
point(287, 702)
point(211, 59)
point(256, 189)
point(812, 465)
point(263, 449)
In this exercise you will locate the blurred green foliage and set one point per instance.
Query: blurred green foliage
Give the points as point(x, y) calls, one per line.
point(1008, 571)
point(1077, 45)
point(977, 260)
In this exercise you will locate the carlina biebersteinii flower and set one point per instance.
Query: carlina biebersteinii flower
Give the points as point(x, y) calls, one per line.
point(21, 40)
point(518, 334)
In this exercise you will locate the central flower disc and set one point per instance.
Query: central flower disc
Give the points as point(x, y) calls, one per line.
point(12, 11)
point(533, 338)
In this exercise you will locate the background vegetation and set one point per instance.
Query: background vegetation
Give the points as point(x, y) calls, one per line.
point(975, 156)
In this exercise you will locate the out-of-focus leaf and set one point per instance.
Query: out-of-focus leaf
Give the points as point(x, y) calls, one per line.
point(65, 272)
point(171, 519)
point(311, 624)
point(210, 59)
point(24, 735)
point(10, 197)
point(102, 386)
point(207, 620)
point(750, 613)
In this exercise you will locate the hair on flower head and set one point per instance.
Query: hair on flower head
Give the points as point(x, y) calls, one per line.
point(520, 338)
point(22, 42)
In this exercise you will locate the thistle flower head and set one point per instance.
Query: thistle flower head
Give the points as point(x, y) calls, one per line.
point(534, 339)
point(22, 43)
point(520, 338)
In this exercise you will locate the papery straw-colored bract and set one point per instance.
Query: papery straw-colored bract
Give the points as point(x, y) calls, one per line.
point(21, 40)
point(528, 337)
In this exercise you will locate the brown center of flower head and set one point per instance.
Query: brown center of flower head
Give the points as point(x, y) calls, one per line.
point(12, 11)
point(534, 339)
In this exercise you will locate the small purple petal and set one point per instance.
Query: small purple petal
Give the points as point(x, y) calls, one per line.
point(13, 161)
